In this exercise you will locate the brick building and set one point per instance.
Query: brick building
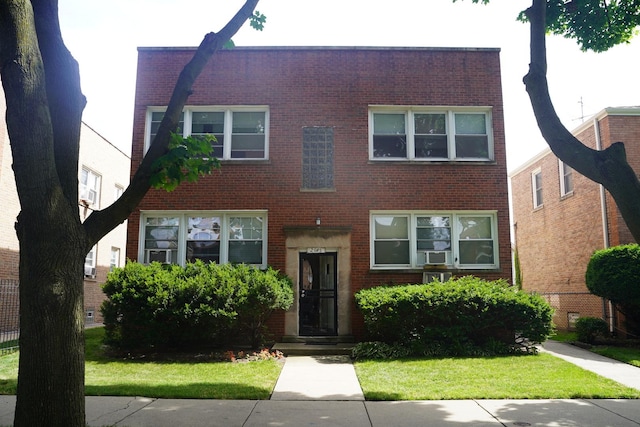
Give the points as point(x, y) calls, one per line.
point(345, 168)
point(103, 174)
point(560, 217)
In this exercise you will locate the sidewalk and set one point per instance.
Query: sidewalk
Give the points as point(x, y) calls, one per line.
point(323, 391)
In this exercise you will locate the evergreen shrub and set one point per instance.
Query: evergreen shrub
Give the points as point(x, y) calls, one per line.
point(465, 316)
point(200, 304)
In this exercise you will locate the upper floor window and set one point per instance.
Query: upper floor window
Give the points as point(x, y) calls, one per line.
point(415, 239)
point(90, 263)
point(114, 258)
point(566, 179)
point(430, 134)
point(117, 192)
point(536, 188)
point(220, 237)
point(89, 187)
point(240, 132)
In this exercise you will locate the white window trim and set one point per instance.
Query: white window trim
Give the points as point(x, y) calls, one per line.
point(84, 188)
point(91, 266)
point(450, 112)
point(117, 252)
point(534, 188)
point(117, 191)
point(454, 256)
point(562, 170)
point(182, 231)
point(228, 110)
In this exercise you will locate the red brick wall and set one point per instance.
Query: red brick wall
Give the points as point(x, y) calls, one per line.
point(556, 241)
point(334, 87)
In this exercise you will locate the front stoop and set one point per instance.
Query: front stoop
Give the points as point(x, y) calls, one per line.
point(315, 346)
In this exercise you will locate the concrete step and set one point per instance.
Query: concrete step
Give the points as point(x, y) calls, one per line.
point(314, 348)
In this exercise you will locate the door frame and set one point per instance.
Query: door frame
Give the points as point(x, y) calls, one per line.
point(318, 305)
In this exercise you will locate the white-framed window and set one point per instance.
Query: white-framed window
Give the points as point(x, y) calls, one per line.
point(212, 236)
point(465, 239)
point(117, 191)
point(89, 187)
point(90, 263)
point(566, 178)
point(536, 188)
point(114, 260)
point(241, 132)
point(430, 133)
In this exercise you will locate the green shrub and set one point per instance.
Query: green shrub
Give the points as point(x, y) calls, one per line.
point(465, 316)
point(378, 350)
point(614, 273)
point(589, 329)
point(200, 304)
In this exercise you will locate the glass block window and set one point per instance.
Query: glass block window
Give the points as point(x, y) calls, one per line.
point(317, 158)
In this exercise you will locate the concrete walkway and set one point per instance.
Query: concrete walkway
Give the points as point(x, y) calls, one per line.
point(324, 391)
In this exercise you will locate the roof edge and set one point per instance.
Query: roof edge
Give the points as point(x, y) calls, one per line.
point(294, 48)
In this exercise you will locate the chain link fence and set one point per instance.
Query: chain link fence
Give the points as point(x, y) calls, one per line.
point(9, 315)
point(569, 306)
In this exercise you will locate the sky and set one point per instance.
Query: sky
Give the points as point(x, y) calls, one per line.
point(104, 37)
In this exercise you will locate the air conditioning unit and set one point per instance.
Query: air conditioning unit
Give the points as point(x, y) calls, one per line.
point(89, 271)
point(428, 277)
point(435, 257)
point(159, 255)
point(88, 195)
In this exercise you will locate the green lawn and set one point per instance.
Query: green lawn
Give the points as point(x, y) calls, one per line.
point(515, 377)
point(201, 380)
point(539, 376)
point(628, 355)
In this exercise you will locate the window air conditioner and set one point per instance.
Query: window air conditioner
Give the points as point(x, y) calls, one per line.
point(435, 257)
point(428, 277)
point(88, 195)
point(89, 271)
point(159, 255)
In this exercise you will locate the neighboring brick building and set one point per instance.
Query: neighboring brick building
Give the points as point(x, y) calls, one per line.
point(345, 168)
point(560, 217)
point(103, 173)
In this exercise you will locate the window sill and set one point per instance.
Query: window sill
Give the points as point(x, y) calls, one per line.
point(245, 161)
point(434, 162)
point(433, 269)
point(317, 190)
point(566, 196)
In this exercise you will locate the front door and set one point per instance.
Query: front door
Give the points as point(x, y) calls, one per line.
point(318, 292)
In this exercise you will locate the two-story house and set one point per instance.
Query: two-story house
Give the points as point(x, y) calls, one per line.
point(560, 218)
point(103, 174)
point(343, 167)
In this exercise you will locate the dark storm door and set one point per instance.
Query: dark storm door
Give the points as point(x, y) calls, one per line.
point(318, 315)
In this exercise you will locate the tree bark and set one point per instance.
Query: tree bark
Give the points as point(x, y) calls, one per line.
point(44, 109)
point(608, 167)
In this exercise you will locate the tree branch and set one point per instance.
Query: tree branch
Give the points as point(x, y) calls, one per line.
point(100, 223)
point(609, 167)
point(65, 98)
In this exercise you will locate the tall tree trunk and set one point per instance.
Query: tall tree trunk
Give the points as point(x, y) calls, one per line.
point(608, 167)
point(44, 109)
point(51, 372)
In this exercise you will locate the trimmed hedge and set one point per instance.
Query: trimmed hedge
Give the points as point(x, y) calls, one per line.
point(200, 304)
point(459, 317)
point(589, 329)
point(614, 273)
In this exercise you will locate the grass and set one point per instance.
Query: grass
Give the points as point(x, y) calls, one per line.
point(539, 376)
point(194, 380)
point(564, 336)
point(628, 355)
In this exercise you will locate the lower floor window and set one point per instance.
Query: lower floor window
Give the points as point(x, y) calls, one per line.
point(219, 237)
point(466, 239)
